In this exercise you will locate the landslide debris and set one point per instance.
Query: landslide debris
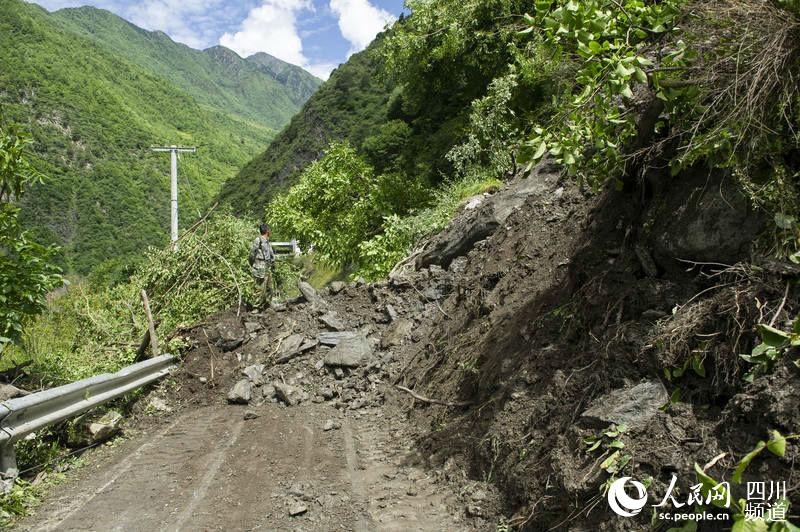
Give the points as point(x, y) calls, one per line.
point(540, 317)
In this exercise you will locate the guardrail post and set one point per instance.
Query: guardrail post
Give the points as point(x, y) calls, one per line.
point(8, 461)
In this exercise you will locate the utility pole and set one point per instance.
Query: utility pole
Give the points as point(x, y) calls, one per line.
point(173, 151)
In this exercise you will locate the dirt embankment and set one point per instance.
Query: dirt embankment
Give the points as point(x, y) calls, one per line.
point(567, 318)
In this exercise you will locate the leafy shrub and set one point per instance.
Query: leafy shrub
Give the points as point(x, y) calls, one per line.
point(89, 331)
point(26, 275)
point(399, 234)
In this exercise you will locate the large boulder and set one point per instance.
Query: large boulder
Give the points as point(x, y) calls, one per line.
point(480, 217)
point(349, 353)
point(701, 217)
point(241, 393)
point(229, 334)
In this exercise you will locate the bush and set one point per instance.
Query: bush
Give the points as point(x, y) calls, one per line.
point(89, 331)
point(381, 253)
point(26, 275)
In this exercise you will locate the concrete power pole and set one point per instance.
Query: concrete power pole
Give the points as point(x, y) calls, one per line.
point(173, 151)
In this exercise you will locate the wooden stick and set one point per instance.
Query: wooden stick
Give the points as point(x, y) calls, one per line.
point(432, 401)
point(151, 327)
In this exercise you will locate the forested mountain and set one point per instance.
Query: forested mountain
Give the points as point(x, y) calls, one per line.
point(96, 92)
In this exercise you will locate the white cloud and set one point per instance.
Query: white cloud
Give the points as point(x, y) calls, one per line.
point(183, 20)
point(271, 28)
point(360, 21)
point(321, 70)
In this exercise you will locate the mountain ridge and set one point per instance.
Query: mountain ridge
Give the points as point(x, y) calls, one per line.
point(93, 114)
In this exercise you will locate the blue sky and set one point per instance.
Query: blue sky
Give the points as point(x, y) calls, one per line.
point(314, 34)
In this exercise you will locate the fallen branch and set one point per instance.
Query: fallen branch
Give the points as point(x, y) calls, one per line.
point(432, 401)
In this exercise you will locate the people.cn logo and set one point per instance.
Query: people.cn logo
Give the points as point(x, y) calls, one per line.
point(621, 503)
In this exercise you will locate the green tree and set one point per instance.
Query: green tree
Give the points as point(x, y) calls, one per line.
point(26, 275)
point(334, 205)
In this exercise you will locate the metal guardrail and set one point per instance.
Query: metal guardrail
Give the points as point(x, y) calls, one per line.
point(21, 416)
point(295, 249)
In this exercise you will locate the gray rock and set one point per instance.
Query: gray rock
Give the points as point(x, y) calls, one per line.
point(252, 327)
point(473, 225)
point(391, 313)
point(311, 295)
point(336, 286)
point(703, 217)
point(8, 391)
point(105, 427)
point(297, 509)
point(349, 353)
point(332, 321)
point(333, 338)
point(229, 334)
point(327, 393)
point(241, 392)
point(397, 333)
point(93, 428)
point(634, 405)
point(250, 414)
point(254, 373)
point(290, 395)
point(268, 391)
point(338, 373)
point(290, 348)
point(331, 425)
point(158, 404)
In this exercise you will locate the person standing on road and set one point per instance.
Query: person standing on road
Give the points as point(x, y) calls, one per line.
point(262, 261)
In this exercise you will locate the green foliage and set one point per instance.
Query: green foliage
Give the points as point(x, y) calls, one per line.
point(627, 53)
point(26, 275)
point(492, 133)
point(398, 234)
point(774, 344)
point(607, 39)
point(95, 93)
point(776, 445)
point(89, 331)
point(334, 206)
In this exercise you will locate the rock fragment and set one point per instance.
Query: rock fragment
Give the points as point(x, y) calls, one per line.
point(333, 338)
point(349, 353)
point(332, 321)
point(241, 392)
point(290, 395)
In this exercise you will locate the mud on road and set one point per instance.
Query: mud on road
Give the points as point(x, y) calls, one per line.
point(210, 469)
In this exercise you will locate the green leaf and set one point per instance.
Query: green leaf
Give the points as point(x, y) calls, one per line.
point(540, 151)
point(745, 461)
point(608, 462)
point(771, 336)
point(784, 221)
point(616, 444)
point(697, 366)
point(708, 484)
point(777, 444)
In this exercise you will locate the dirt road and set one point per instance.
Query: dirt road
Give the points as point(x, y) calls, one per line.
point(210, 469)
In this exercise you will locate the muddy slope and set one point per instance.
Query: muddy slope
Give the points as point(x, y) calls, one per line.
point(564, 321)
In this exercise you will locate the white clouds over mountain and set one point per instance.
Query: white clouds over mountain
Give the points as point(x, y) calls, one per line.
point(360, 21)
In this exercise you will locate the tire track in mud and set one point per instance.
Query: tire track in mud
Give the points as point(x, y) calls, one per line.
point(210, 469)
